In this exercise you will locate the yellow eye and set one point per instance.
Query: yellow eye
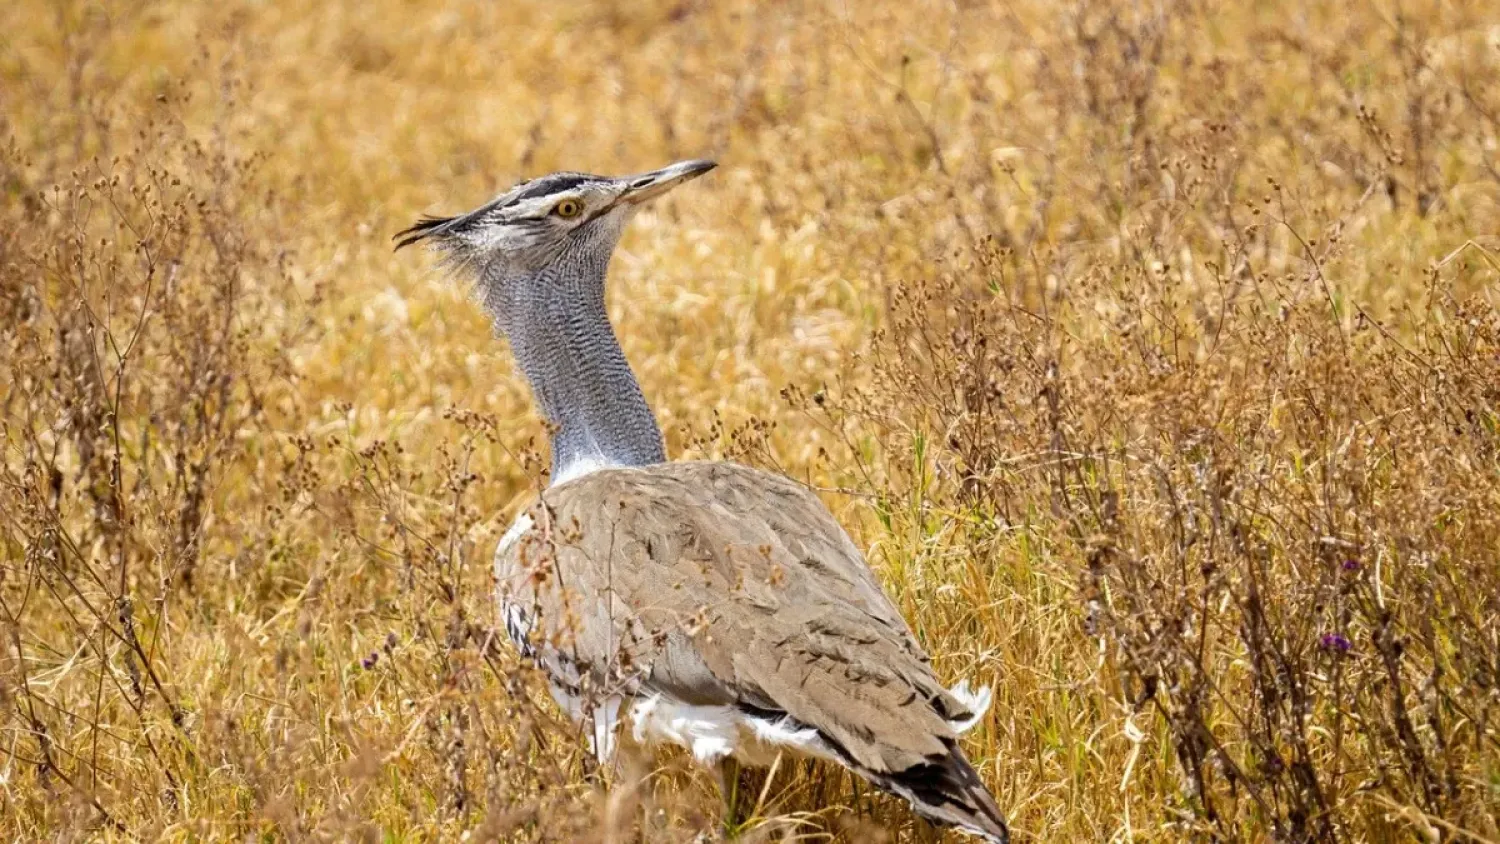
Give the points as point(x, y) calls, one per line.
point(568, 208)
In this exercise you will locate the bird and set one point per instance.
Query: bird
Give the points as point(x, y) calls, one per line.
point(704, 604)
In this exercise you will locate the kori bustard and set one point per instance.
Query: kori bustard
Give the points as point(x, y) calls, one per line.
point(705, 604)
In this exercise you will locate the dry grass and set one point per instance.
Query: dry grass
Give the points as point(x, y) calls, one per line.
point(1151, 349)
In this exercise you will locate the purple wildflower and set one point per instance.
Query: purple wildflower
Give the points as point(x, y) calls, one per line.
point(369, 661)
point(1335, 642)
point(1350, 564)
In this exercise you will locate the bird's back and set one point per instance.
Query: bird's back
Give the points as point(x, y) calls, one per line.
point(719, 586)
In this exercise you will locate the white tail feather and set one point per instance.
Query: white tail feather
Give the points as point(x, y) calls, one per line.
point(977, 702)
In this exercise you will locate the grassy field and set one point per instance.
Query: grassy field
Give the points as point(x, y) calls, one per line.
point(1151, 351)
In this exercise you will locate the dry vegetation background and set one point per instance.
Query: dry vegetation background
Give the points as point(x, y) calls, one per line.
point(1150, 348)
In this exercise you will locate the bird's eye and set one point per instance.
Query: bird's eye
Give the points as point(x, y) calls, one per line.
point(568, 209)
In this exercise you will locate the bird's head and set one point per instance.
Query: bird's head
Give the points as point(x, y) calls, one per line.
point(561, 219)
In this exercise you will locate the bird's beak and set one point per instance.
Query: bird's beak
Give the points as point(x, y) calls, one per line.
point(648, 186)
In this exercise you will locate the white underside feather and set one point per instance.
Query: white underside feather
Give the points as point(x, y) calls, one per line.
point(712, 733)
point(977, 702)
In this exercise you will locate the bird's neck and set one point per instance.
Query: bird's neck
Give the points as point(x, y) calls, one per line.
point(561, 338)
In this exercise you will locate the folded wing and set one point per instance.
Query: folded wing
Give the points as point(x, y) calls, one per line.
point(714, 584)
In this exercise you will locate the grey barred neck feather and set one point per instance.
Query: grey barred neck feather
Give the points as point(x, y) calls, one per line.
point(561, 338)
point(723, 608)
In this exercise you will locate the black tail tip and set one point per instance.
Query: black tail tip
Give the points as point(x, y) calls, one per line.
point(947, 791)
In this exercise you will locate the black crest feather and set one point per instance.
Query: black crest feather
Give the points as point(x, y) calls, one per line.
point(423, 228)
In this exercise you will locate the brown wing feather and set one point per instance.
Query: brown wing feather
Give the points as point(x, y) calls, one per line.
point(715, 583)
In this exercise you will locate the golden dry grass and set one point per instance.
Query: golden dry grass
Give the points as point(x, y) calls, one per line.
point(1150, 349)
